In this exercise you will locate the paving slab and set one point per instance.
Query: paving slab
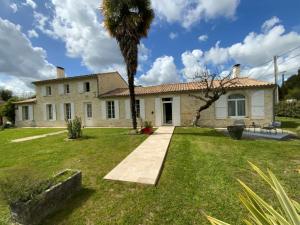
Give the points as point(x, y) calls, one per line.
point(37, 136)
point(144, 164)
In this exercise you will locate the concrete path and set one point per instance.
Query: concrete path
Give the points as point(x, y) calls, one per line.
point(37, 136)
point(143, 165)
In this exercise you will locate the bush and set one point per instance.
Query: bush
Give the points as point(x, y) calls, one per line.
point(288, 109)
point(298, 131)
point(148, 124)
point(74, 128)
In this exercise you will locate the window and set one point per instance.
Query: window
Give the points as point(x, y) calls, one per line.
point(48, 91)
point(68, 113)
point(49, 110)
point(87, 86)
point(25, 113)
point(110, 109)
point(89, 110)
point(66, 88)
point(137, 108)
point(236, 105)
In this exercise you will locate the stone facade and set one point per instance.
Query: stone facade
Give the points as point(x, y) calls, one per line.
point(99, 84)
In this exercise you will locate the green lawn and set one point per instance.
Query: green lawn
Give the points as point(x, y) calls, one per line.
point(199, 175)
point(289, 123)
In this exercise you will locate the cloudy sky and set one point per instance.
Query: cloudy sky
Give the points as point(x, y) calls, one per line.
point(186, 36)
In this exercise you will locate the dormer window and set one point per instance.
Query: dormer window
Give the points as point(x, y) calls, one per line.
point(48, 91)
point(87, 87)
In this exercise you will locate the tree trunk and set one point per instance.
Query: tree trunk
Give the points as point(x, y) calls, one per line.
point(205, 106)
point(132, 100)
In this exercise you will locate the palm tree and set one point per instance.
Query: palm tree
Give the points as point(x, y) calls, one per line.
point(128, 21)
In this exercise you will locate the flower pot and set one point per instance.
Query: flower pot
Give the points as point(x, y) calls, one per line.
point(35, 210)
point(147, 130)
point(235, 132)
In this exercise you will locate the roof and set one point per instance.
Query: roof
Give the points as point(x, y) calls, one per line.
point(26, 101)
point(184, 87)
point(94, 75)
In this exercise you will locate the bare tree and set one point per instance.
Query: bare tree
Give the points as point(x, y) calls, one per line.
point(212, 86)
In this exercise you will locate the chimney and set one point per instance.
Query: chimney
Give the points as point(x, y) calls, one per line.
point(60, 72)
point(236, 71)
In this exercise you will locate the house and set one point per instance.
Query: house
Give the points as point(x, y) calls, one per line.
point(102, 100)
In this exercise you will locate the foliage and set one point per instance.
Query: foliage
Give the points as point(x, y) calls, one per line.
point(148, 124)
point(74, 128)
point(8, 110)
point(5, 94)
point(260, 212)
point(298, 131)
point(214, 87)
point(288, 109)
point(128, 21)
point(291, 88)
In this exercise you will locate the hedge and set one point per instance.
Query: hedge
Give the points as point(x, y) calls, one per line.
point(288, 109)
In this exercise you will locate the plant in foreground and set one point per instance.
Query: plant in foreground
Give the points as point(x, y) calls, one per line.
point(260, 212)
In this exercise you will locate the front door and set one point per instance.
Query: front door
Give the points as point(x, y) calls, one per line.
point(167, 113)
point(88, 108)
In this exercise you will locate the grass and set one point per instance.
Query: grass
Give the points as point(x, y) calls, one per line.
point(199, 175)
point(289, 123)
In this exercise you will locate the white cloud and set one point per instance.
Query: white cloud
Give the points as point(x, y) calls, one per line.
point(193, 63)
point(32, 34)
point(203, 37)
point(189, 12)
point(30, 3)
point(163, 71)
point(267, 25)
point(21, 63)
point(84, 36)
point(173, 35)
point(14, 7)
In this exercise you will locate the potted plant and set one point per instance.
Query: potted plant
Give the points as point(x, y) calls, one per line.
point(148, 128)
point(31, 200)
point(235, 131)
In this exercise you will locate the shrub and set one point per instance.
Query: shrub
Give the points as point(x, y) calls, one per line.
point(288, 109)
point(74, 128)
point(148, 124)
point(298, 131)
point(260, 211)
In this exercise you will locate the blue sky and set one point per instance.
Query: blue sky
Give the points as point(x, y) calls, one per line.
point(186, 37)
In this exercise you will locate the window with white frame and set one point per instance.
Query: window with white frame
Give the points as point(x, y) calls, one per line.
point(87, 87)
point(110, 109)
point(137, 108)
point(25, 113)
point(48, 90)
point(89, 110)
point(68, 112)
point(66, 88)
point(49, 110)
point(236, 105)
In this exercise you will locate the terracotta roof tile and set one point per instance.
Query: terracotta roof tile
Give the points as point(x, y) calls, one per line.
point(181, 87)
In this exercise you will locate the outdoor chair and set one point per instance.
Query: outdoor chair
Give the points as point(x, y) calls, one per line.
point(272, 126)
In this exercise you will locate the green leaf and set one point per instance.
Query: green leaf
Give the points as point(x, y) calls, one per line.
point(215, 221)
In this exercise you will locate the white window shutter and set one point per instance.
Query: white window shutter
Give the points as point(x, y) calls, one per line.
point(30, 112)
point(103, 110)
point(258, 104)
point(221, 107)
point(158, 112)
point(127, 109)
point(61, 90)
point(44, 91)
point(72, 111)
point(80, 87)
point(176, 111)
point(62, 112)
point(54, 111)
point(20, 113)
point(142, 109)
point(117, 111)
point(45, 111)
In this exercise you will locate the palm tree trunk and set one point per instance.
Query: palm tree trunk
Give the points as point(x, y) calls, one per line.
point(132, 100)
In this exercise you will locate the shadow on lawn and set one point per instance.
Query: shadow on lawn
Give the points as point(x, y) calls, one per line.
point(69, 207)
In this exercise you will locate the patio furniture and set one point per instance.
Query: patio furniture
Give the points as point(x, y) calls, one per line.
point(272, 126)
point(254, 126)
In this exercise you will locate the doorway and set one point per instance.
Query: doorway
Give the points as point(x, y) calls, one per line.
point(167, 111)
